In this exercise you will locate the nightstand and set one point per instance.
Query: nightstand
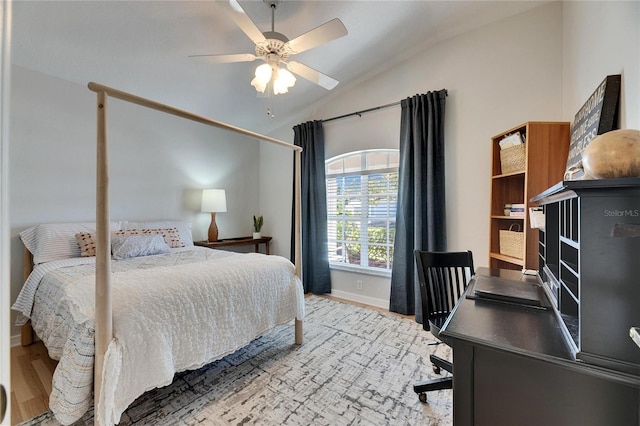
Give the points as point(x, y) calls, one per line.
point(239, 241)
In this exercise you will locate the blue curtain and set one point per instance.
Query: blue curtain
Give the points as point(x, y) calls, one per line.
point(313, 209)
point(420, 217)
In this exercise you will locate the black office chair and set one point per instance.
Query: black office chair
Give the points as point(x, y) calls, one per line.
point(443, 277)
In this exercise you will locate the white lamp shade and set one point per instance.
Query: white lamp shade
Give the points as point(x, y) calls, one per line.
point(283, 82)
point(280, 78)
point(214, 200)
point(258, 84)
point(262, 78)
point(263, 72)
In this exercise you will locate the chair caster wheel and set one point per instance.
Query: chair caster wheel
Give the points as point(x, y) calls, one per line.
point(436, 369)
point(422, 397)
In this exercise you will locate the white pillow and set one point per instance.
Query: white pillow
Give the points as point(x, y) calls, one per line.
point(126, 246)
point(54, 241)
point(183, 227)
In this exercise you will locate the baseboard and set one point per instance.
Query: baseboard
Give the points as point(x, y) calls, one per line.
point(378, 303)
point(16, 340)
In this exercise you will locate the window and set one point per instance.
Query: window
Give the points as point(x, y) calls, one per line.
point(362, 193)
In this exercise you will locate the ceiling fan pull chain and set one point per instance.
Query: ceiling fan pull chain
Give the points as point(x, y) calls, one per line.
point(270, 112)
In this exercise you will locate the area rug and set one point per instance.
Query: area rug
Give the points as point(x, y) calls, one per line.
point(356, 367)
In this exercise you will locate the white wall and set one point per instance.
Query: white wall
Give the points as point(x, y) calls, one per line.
point(276, 191)
point(600, 39)
point(159, 163)
point(497, 77)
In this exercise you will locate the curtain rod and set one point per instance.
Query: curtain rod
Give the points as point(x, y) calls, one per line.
point(359, 113)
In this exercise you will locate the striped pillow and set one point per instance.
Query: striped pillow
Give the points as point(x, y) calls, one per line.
point(54, 241)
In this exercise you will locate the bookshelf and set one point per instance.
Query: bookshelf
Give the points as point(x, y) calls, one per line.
point(546, 149)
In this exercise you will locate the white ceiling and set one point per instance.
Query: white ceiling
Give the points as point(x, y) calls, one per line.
point(143, 46)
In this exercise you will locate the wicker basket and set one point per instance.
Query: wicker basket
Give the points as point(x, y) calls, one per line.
point(512, 242)
point(512, 159)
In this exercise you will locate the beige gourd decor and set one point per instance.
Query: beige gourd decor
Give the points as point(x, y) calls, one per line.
point(614, 154)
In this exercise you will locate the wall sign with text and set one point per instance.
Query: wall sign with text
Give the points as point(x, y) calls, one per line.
point(597, 116)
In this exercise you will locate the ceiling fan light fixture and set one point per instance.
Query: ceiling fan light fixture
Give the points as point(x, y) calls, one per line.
point(258, 84)
point(275, 48)
point(281, 79)
point(263, 74)
point(283, 82)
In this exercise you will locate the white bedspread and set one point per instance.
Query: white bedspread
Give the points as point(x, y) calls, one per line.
point(203, 306)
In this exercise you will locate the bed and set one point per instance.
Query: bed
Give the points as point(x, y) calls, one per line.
point(118, 323)
point(173, 311)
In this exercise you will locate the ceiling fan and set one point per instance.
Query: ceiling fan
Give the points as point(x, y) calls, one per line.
point(275, 49)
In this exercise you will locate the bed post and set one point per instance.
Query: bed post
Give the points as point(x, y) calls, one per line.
point(104, 321)
point(298, 235)
point(103, 317)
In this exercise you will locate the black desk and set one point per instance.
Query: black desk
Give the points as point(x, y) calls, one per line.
point(514, 367)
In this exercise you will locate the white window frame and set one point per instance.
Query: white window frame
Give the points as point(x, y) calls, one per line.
point(363, 219)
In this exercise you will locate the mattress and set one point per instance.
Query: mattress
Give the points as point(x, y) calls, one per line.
point(171, 312)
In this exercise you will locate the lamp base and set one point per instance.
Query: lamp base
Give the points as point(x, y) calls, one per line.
point(213, 229)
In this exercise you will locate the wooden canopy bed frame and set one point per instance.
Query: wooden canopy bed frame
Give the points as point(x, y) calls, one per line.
point(103, 272)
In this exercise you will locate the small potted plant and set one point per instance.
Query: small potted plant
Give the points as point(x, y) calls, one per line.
point(257, 226)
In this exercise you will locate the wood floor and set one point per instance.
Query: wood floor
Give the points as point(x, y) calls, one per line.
point(32, 371)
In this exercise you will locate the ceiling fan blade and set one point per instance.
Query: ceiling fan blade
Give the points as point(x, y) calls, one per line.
point(319, 35)
point(224, 59)
point(240, 17)
point(312, 75)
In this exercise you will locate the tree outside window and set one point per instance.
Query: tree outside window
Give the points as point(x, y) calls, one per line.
point(362, 189)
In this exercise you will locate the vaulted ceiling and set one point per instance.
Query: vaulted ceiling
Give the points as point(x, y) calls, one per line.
point(143, 46)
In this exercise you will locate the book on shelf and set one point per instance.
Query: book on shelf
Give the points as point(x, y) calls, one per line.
point(517, 210)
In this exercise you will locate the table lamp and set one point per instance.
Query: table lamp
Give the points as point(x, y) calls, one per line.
point(214, 201)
